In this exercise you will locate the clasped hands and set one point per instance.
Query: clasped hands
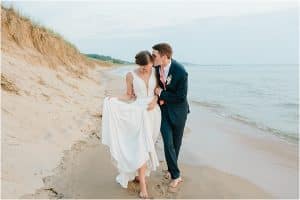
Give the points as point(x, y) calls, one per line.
point(152, 104)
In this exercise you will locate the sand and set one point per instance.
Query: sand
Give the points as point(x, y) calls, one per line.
point(69, 161)
point(233, 147)
point(43, 112)
point(86, 172)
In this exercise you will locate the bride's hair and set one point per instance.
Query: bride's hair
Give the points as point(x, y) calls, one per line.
point(143, 58)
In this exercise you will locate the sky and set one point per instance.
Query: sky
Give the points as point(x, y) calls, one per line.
point(203, 32)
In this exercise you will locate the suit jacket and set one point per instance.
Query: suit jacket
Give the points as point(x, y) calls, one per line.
point(175, 94)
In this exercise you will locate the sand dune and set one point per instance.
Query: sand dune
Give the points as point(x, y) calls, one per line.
point(42, 46)
point(51, 97)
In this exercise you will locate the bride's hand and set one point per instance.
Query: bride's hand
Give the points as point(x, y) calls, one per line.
point(109, 97)
point(151, 105)
point(108, 94)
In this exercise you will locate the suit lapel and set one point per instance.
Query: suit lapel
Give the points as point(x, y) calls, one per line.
point(169, 73)
point(171, 68)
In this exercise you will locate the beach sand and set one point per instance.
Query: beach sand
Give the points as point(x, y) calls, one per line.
point(51, 111)
point(86, 171)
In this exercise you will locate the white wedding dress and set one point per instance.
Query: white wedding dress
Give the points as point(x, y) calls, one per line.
point(130, 130)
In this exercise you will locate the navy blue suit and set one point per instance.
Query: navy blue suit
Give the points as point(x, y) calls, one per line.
point(174, 113)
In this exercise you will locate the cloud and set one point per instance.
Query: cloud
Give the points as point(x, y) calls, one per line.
point(82, 19)
point(113, 27)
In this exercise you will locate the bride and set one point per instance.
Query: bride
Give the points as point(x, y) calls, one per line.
point(130, 130)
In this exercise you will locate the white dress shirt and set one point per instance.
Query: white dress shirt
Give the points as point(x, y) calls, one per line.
point(166, 69)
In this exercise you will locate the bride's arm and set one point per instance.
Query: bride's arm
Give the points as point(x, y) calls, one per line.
point(129, 95)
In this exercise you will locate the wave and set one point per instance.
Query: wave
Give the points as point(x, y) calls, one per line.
point(208, 104)
point(292, 137)
point(221, 110)
point(289, 105)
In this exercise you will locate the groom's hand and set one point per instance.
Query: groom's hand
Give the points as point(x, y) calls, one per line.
point(158, 91)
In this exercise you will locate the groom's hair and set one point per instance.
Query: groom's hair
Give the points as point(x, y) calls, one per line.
point(164, 49)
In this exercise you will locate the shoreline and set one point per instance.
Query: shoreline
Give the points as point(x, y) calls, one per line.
point(86, 171)
point(239, 149)
point(287, 137)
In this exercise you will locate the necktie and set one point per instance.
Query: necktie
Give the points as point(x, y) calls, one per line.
point(162, 76)
point(163, 80)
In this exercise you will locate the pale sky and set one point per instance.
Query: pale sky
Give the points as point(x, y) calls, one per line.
point(205, 32)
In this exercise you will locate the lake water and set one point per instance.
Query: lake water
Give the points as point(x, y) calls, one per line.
point(262, 96)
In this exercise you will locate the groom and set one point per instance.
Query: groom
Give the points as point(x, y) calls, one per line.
point(172, 93)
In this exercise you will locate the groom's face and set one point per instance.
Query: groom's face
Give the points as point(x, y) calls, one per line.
point(157, 59)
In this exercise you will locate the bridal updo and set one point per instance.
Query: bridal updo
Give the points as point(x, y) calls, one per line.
point(143, 58)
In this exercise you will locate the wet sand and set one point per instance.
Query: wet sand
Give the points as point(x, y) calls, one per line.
point(242, 150)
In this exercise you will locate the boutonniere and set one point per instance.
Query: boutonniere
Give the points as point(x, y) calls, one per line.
point(169, 79)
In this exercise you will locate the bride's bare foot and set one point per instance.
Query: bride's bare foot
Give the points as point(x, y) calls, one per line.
point(143, 192)
point(143, 195)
